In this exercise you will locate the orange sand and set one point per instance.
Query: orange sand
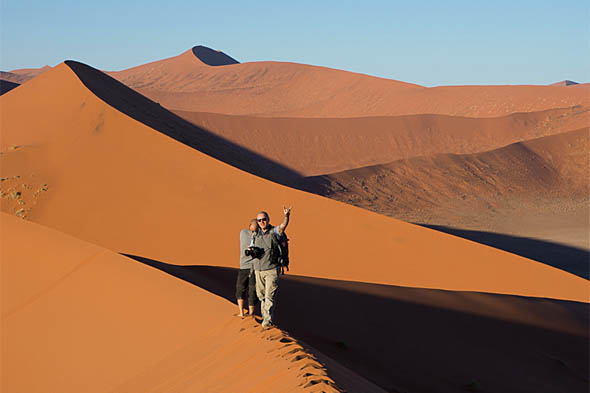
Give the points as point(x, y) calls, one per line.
point(77, 317)
point(296, 90)
point(118, 183)
point(320, 146)
point(553, 168)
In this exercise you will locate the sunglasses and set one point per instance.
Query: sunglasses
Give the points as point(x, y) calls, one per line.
point(261, 219)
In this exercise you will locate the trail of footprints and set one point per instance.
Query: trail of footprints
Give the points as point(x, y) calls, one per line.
point(314, 376)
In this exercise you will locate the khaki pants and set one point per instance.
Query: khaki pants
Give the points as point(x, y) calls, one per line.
point(267, 284)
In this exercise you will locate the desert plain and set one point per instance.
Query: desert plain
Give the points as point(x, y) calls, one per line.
point(440, 236)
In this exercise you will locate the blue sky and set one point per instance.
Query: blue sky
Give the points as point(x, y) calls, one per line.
point(426, 42)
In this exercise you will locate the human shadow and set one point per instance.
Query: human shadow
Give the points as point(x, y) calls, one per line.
point(424, 340)
point(568, 258)
point(152, 114)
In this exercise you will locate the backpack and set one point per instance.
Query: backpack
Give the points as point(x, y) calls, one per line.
point(282, 243)
point(284, 247)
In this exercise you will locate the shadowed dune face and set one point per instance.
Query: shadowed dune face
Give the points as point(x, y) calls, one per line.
point(323, 146)
point(562, 256)
point(6, 86)
point(152, 114)
point(275, 89)
point(212, 57)
point(100, 167)
point(420, 340)
point(77, 317)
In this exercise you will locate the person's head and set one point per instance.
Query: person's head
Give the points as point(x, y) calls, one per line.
point(253, 225)
point(263, 220)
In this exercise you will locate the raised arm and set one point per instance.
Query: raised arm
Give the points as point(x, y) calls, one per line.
point(283, 225)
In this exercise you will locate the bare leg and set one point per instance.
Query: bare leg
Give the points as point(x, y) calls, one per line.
point(241, 307)
point(251, 310)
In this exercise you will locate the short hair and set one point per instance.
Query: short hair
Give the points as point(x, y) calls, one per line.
point(265, 214)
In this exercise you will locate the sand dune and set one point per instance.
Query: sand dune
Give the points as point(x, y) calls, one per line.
point(12, 78)
point(77, 317)
point(322, 146)
point(565, 83)
point(23, 75)
point(120, 184)
point(296, 90)
point(550, 167)
point(536, 189)
point(86, 162)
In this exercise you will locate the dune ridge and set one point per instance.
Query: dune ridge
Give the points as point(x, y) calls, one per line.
point(536, 188)
point(138, 330)
point(565, 82)
point(119, 157)
point(317, 146)
point(12, 78)
point(280, 89)
point(555, 166)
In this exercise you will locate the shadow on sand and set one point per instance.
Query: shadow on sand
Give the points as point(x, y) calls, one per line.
point(6, 86)
point(570, 259)
point(424, 340)
point(212, 57)
point(152, 114)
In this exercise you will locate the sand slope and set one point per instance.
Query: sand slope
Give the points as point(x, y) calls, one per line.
point(23, 75)
point(517, 198)
point(77, 317)
point(552, 167)
point(297, 90)
point(12, 78)
point(116, 182)
point(321, 146)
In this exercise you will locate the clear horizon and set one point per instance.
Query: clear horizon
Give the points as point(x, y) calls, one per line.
point(427, 43)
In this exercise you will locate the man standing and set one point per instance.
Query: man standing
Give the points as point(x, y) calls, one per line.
point(267, 268)
point(246, 282)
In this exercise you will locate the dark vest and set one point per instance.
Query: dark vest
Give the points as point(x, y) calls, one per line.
point(268, 242)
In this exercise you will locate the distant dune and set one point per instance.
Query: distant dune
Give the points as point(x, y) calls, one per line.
point(12, 78)
point(537, 188)
point(565, 83)
point(322, 146)
point(23, 75)
point(279, 89)
point(555, 166)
